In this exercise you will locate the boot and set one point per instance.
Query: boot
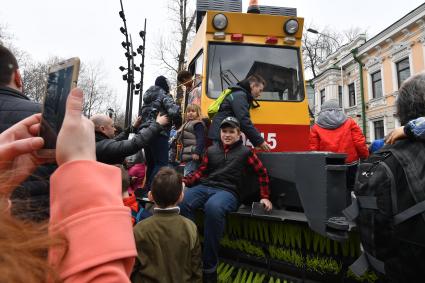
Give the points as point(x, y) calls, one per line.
point(209, 277)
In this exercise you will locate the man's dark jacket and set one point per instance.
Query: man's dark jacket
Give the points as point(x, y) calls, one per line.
point(156, 100)
point(114, 151)
point(236, 104)
point(14, 107)
point(226, 169)
point(31, 199)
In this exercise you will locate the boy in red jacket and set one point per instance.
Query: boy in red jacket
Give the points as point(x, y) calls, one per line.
point(335, 132)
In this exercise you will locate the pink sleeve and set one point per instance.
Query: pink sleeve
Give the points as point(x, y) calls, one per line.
point(87, 209)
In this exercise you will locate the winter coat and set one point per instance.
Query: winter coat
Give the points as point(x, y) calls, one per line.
point(33, 194)
point(168, 249)
point(14, 107)
point(114, 151)
point(190, 141)
point(236, 104)
point(347, 138)
point(156, 100)
point(87, 211)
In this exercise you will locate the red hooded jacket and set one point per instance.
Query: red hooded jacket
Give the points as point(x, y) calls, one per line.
point(348, 138)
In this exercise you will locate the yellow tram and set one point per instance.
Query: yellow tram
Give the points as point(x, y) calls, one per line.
point(308, 189)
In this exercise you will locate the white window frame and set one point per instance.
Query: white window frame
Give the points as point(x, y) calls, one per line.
point(370, 83)
point(400, 52)
point(372, 127)
point(355, 95)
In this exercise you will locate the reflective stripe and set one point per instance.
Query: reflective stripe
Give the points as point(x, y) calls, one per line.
point(409, 213)
point(361, 265)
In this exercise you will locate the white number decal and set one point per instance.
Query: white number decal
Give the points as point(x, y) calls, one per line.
point(270, 139)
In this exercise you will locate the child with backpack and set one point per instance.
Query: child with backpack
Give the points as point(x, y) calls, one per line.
point(191, 140)
point(389, 203)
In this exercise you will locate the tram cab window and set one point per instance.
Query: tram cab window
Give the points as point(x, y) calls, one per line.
point(279, 66)
point(196, 67)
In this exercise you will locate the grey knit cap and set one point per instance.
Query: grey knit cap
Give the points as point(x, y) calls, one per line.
point(331, 115)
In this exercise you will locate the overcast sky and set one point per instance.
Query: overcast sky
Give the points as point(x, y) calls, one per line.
point(89, 29)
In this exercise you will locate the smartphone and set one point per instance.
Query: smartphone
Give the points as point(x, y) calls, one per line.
point(62, 77)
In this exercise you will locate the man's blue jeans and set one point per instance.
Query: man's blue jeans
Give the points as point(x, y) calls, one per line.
point(216, 204)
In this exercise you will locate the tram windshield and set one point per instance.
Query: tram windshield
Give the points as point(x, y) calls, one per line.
point(279, 66)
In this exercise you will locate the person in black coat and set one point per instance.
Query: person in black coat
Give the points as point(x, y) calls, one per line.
point(237, 104)
point(14, 105)
point(111, 149)
point(158, 100)
point(30, 201)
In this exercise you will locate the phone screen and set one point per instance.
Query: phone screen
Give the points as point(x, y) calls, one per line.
point(59, 85)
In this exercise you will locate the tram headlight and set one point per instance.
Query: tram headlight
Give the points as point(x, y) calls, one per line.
point(220, 21)
point(291, 26)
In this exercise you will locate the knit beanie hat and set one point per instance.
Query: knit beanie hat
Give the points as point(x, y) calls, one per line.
point(330, 104)
point(162, 82)
point(331, 115)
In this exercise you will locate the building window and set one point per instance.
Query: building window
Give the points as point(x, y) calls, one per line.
point(351, 95)
point(322, 96)
point(340, 96)
point(376, 84)
point(378, 127)
point(403, 70)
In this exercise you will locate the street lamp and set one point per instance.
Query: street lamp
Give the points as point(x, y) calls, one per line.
point(141, 50)
point(311, 30)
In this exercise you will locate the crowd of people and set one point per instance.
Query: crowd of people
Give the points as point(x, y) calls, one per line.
point(111, 209)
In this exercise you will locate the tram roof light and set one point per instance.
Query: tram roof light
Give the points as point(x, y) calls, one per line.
point(271, 40)
point(291, 26)
point(220, 21)
point(219, 35)
point(237, 37)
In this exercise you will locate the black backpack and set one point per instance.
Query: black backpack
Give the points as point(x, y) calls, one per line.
point(389, 209)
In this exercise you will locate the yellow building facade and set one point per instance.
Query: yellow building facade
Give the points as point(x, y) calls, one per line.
point(366, 78)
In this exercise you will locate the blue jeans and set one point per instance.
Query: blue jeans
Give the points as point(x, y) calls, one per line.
point(216, 204)
point(156, 157)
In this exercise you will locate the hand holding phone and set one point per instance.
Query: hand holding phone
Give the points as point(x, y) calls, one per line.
point(62, 78)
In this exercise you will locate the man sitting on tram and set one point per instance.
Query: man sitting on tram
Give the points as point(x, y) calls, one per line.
point(218, 192)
